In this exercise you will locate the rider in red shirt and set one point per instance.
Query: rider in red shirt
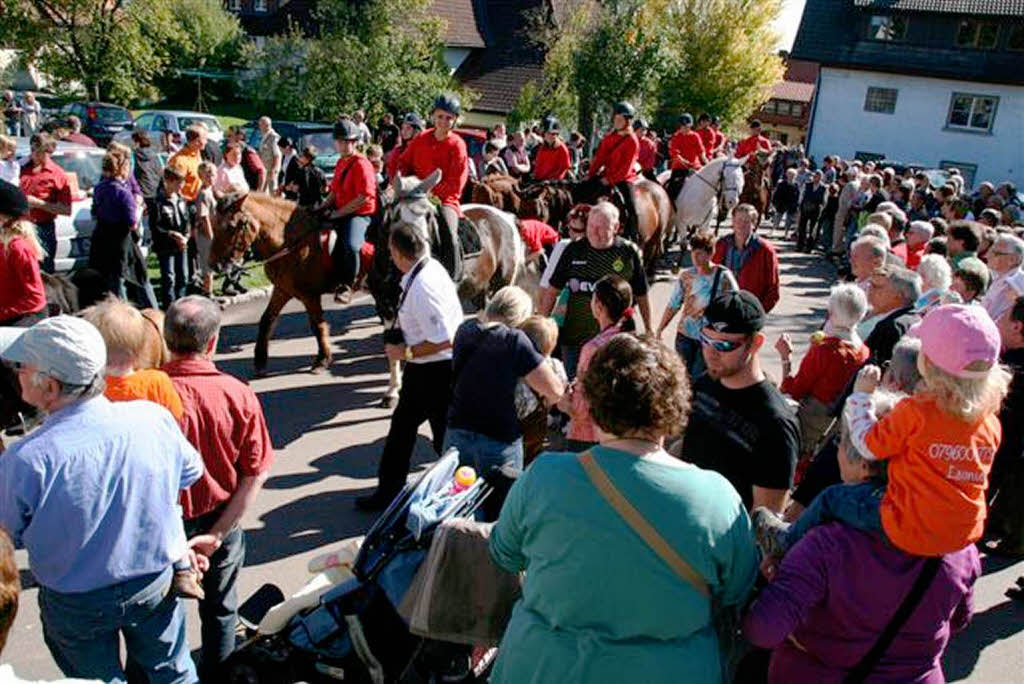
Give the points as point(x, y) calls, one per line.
point(552, 162)
point(614, 164)
point(755, 142)
point(352, 199)
point(441, 148)
point(707, 135)
point(686, 153)
point(648, 155)
point(720, 137)
point(412, 125)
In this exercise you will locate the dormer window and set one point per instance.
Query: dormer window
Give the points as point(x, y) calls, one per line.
point(887, 27)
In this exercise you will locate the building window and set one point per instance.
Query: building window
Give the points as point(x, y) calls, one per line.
point(972, 112)
point(259, 5)
point(1016, 40)
point(968, 171)
point(234, 5)
point(880, 100)
point(972, 33)
point(887, 27)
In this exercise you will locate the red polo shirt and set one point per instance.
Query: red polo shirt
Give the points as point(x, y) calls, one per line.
point(223, 419)
point(425, 153)
point(707, 136)
point(648, 155)
point(21, 285)
point(49, 183)
point(391, 165)
point(354, 176)
point(552, 162)
point(615, 158)
point(720, 139)
point(536, 234)
point(753, 144)
point(689, 146)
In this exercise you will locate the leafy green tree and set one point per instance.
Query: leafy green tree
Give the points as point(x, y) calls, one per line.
point(379, 55)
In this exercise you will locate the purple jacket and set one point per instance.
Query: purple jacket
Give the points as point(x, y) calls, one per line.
point(113, 202)
point(835, 592)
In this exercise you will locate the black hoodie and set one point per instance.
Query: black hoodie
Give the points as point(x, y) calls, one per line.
point(148, 171)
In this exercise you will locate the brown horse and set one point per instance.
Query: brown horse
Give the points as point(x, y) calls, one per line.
point(496, 190)
point(757, 183)
point(546, 202)
point(287, 238)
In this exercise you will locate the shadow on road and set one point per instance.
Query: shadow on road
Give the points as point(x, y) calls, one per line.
point(291, 326)
point(995, 624)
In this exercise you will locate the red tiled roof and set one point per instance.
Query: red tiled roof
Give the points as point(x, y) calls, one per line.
point(462, 22)
point(801, 71)
point(793, 91)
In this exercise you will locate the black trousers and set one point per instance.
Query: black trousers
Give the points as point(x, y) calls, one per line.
point(805, 229)
point(593, 188)
point(675, 182)
point(425, 395)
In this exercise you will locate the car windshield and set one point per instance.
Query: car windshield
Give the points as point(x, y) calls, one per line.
point(211, 123)
point(109, 114)
point(86, 166)
point(323, 141)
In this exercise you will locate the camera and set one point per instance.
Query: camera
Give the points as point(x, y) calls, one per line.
point(394, 336)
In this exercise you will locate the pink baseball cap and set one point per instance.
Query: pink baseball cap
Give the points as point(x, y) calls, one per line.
point(957, 336)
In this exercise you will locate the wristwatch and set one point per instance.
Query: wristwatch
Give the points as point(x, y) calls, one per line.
point(408, 353)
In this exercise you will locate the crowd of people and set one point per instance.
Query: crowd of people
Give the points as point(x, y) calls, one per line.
point(675, 509)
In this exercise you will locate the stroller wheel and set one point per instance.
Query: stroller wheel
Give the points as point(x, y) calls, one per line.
point(244, 673)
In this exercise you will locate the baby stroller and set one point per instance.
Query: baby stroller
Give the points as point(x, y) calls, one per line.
point(343, 625)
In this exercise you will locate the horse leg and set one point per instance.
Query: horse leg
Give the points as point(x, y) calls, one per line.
point(321, 331)
point(278, 298)
point(394, 384)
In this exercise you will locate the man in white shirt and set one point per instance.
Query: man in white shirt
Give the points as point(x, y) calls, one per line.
point(270, 154)
point(1004, 259)
point(429, 313)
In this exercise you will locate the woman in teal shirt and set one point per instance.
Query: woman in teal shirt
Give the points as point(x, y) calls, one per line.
point(598, 604)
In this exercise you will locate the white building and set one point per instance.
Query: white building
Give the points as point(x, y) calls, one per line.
point(919, 81)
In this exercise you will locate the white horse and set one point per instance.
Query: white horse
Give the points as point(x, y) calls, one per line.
point(697, 204)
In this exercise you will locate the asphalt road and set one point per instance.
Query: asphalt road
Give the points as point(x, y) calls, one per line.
point(328, 432)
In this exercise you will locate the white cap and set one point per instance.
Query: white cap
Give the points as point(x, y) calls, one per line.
point(66, 348)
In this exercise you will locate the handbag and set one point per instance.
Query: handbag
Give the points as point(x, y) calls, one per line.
point(725, 620)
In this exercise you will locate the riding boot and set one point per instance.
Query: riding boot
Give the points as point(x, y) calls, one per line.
point(630, 224)
point(675, 183)
point(451, 250)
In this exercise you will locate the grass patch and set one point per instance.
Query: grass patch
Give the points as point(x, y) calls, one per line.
point(253, 278)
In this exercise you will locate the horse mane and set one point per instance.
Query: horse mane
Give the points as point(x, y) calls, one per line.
point(277, 215)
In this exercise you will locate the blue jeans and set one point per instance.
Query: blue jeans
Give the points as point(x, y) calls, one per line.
point(484, 453)
point(173, 276)
point(47, 232)
point(218, 612)
point(351, 236)
point(690, 351)
point(856, 505)
point(81, 631)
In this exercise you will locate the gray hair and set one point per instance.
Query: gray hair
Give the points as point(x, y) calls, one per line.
point(923, 228)
point(509, 305)
point(609, 210)
point(847, 305)
point(874, 243)
point(902, 374)
point(935, 272)
point(852, 173)
point(1011, 243)
point(878, 231)
point(69, 391)
point(190, 323)
point(906, 283)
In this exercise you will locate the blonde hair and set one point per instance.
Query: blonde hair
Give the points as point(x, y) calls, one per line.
point(7, 144)
point(543, 332)
point(208, 167)
point(115, 164)
point(26, 230)
point(510, 305)
point(965, 398)
point(123, 329)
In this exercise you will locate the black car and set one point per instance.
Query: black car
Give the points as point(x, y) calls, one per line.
point(100, 120)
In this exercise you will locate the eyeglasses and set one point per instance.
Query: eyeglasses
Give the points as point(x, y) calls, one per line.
point(720, 345)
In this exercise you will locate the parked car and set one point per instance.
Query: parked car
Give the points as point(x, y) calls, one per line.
point(84, 166)
point(100, 120)
point(175, 122)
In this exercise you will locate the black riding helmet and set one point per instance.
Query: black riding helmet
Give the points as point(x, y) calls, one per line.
point(414, 120)
point(448, 102)
point(551, 125)
point(346, 129)
point(685, 119)
point(625, 109)
point(12, 200)
point(640, 123)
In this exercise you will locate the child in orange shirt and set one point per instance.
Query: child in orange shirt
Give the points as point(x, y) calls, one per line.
point(940, 443)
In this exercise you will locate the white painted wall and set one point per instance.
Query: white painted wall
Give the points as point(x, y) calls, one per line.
point(916, 131)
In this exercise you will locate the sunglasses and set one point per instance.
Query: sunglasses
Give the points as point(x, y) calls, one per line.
point(720, 345)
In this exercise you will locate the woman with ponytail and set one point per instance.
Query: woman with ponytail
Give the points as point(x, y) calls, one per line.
point(612, 307)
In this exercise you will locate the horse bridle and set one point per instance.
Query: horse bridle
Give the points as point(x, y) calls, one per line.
point(244, 228)
point(720, 187)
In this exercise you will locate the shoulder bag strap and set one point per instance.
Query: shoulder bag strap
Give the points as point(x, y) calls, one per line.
point(636, 520)
point(714, 283)
point(861, 670)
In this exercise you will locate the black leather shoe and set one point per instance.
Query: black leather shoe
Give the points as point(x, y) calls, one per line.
point(373, 502)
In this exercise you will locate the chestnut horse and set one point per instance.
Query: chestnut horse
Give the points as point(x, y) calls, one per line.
point(496, 190)
point(757, 182)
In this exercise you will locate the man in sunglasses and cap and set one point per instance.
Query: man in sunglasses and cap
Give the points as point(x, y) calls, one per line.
point(741, 426)
point(442, 148)
point(92, 495)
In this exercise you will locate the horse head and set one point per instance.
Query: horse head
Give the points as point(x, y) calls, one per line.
point(234, 230)
point(732, 182)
